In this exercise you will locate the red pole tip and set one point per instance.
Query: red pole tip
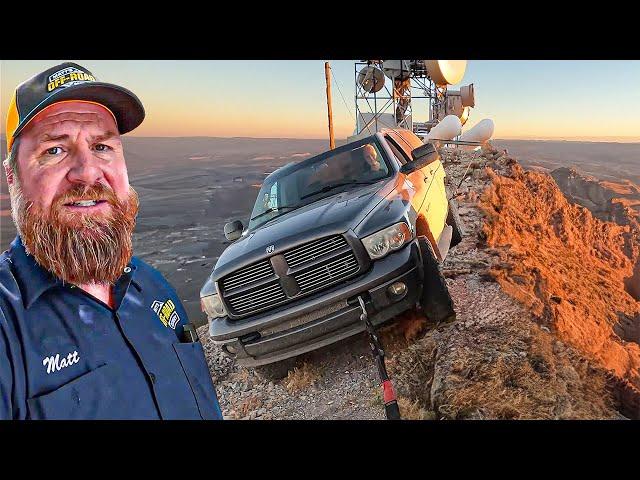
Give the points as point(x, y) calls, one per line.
point(389, 394)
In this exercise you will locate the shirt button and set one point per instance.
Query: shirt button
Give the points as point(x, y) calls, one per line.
point(127, 269)
point(152, 377)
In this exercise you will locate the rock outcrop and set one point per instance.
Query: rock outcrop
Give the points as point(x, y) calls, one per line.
point(617, 202)
point(571, 350)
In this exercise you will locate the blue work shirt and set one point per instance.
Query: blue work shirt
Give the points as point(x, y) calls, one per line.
point(64, 354)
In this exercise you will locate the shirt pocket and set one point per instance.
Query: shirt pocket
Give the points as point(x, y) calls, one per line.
point(93, 395)
point(194, 364)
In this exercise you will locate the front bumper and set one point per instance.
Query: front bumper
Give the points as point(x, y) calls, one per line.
point(324, 318)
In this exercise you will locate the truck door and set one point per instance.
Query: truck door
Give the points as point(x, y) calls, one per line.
point(435, 201)
point(433, 197)
point(416, 178)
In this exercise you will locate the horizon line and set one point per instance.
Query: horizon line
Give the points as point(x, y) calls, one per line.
point(587, 139)
point(604, 139)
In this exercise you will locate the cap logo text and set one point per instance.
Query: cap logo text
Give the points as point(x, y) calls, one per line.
point(67, 77)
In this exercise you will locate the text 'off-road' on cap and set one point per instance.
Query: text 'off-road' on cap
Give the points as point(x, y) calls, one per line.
point(65, 82)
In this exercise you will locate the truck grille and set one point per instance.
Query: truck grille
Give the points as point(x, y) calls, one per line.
point(318, 265)
point(257, 299)
point(251, 274)
point(327, 273)
point(312, 250)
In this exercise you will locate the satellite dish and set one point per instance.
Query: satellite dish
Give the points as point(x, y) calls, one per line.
point(447, 129)
point(445, 72)
point(397, 69)
point(481, 132)
point(468, 96)
point(371, 79)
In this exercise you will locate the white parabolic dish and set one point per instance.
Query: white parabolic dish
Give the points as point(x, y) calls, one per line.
point(449, 127)
point(446, 72)
point(481, 132)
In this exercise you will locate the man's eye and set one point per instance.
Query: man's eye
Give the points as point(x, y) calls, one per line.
point(101, 147)
point(53, 151)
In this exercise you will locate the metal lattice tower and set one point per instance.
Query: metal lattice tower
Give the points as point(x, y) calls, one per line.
point(392, 105)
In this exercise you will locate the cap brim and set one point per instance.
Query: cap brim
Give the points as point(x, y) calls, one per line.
point(125, 105)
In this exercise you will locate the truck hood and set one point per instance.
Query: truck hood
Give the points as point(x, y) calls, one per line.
point(328, 216)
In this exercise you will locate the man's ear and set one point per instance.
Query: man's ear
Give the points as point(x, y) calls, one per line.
point(9, 172)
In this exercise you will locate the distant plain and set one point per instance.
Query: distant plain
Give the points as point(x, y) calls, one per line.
point(610, 161)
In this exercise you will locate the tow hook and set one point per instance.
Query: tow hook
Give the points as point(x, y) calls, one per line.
point(388, 393)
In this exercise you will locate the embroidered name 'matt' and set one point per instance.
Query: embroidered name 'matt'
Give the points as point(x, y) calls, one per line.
point(54, 364)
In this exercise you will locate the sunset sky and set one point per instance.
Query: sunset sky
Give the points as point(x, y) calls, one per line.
point(586, 100)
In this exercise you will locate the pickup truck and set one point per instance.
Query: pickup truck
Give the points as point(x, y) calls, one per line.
point(370, 218)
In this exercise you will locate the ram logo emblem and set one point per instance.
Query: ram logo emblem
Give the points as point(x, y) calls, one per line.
point(271, 248)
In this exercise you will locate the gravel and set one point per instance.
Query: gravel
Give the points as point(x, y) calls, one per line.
point(346, 385)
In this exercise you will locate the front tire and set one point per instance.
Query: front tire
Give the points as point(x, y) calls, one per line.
point(436, 300)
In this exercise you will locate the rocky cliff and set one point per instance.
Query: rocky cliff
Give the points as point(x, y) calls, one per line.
point(572, 351)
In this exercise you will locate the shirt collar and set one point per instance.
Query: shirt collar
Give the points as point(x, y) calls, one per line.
point(33, 280)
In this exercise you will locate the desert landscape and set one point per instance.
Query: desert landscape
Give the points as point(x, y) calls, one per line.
point(607, 161)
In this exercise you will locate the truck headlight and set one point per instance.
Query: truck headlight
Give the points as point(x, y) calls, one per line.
point(210, 302)
point(212, 306)
point(387, 240)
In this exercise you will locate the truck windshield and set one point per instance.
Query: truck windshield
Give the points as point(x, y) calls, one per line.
point(299, 184)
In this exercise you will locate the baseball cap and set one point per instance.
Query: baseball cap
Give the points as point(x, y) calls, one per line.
point(66, 82)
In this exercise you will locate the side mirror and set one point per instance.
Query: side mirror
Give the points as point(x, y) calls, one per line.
point(423, 152)
point(233, 230)
point(422, 156)
point(408, 168)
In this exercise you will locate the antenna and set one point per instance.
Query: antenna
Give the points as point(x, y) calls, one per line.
point(371, 79)
point(386, 91)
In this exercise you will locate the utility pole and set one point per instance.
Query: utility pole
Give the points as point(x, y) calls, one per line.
point(327, 74)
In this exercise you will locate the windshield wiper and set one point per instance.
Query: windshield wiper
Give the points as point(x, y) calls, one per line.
point(275, 209)
point(328, 188)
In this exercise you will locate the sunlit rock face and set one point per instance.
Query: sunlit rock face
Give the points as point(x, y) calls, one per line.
point(578, 273)
point(617, 202)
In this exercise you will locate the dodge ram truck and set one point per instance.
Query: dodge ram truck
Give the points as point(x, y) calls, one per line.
point(370, 218)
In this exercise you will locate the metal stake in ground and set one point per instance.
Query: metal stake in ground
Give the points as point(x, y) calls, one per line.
point(388, 393)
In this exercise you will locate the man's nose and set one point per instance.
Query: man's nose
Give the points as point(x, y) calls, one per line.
point(85, 169)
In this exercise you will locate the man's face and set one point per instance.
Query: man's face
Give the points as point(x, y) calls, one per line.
point(67, 145)
point(72, 202)
point(371, 158)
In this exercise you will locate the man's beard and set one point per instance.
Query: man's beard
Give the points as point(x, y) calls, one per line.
point(77, 247)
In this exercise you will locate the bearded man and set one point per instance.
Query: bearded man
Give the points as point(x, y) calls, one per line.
point(87, 331)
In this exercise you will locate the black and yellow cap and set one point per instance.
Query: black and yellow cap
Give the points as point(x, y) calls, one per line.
point(70, 82)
